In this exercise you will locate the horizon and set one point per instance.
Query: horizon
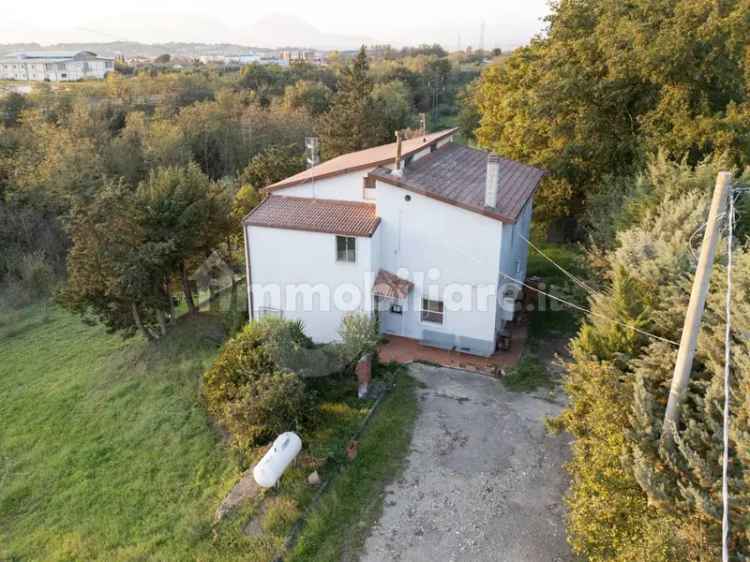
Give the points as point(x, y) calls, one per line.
point(506, 24)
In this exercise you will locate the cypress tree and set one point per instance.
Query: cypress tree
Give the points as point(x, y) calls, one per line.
point(629, 499)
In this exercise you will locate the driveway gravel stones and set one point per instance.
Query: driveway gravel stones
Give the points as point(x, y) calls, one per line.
point(484, 480)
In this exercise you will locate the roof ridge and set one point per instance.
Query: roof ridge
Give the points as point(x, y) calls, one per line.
point(343, 202)
point(340, 164)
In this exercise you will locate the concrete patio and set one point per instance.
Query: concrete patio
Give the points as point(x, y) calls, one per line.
point(406, 350)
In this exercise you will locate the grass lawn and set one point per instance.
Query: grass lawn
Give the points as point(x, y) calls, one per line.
point(107, 454)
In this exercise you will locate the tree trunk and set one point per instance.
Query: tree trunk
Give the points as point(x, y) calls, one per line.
point(233, 302)
point(186, 289)
point(168, 292)
point(172, 314)
point(162, 322)
point(139, 324)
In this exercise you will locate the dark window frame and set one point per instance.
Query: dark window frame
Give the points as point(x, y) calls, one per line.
point(346, 249)
point(433, 311)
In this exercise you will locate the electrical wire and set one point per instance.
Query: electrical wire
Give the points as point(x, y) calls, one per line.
point(727, 370)
point(592, 313)
point(575, 279)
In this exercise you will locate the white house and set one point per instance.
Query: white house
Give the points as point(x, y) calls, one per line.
point(425, 234)
point(55, 66)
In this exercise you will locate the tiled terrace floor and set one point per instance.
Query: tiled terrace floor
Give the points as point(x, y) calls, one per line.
point(406, 350)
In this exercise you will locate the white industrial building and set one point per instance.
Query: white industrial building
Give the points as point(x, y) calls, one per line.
point(57, 66)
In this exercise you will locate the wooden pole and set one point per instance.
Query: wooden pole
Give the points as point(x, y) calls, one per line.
point(697, 303)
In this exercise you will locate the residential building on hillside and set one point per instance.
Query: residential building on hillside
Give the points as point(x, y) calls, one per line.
point(54, 66)
point(426, 234)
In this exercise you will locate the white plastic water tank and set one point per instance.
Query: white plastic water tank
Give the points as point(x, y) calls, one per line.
point(273, 464)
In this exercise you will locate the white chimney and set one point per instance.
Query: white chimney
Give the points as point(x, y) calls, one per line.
point(493, 175)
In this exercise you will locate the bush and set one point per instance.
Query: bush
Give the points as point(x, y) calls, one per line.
point(247, 391)
point(37, 276)
point(264, 408)
point(256, 388)
point(359, 336)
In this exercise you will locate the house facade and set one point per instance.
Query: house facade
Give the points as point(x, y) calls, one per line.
point(426, 234)
point(62, 66)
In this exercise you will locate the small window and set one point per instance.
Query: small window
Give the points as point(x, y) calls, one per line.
point(346, 249)
point(432, 311)
point(369, 182)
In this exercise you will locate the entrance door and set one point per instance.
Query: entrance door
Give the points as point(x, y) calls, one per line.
point(389, 316)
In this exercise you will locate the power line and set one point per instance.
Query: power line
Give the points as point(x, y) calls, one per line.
point(727, 359)
point(575, 279)
point(572, 305)
point(592, 313)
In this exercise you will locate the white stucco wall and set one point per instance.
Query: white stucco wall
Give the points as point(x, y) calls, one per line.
point(514, 255)
point(449, 253)
point(441, 248)
point(346, 187)
point(296, 272)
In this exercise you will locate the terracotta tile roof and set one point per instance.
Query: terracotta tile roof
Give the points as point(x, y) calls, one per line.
point(360, 160)
point(391, 286)
point(349, 218)
point(456, 174)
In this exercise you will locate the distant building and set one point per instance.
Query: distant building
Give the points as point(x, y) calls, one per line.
point(292, 57)
point(212, 59)
point(55, 66)
point(242, 58)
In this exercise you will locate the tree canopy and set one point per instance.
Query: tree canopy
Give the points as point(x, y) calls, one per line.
point(612, 82)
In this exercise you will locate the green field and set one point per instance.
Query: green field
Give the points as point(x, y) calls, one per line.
point(106, 452)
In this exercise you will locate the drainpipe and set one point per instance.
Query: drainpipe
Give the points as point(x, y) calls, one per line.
point(248, 275)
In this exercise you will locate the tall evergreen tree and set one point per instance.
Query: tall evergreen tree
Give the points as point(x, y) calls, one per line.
point(354, 122)
point(629, 499)
point(181, 205)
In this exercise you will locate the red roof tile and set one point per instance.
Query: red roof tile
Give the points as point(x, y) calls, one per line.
point(391, 286)
point(456, 175)
point(348, 218)
point(360, 160)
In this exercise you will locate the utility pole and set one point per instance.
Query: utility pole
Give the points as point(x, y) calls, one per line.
point(691, 329)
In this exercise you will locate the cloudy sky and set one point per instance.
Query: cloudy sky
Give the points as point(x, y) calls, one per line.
point(508, 23)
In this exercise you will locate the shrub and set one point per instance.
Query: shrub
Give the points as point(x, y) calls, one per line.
point(359, 336)
point(248, 392)
point(264, 408)
point(36, 275)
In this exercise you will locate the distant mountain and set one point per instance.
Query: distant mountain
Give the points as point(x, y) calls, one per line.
point(282, 30)
point(133, 34)
point(133, 48)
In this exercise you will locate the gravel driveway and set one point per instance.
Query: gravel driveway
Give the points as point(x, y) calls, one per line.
point(484, 482)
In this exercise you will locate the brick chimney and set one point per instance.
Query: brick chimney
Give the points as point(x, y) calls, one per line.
point(397, 163)
point(493, 175)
